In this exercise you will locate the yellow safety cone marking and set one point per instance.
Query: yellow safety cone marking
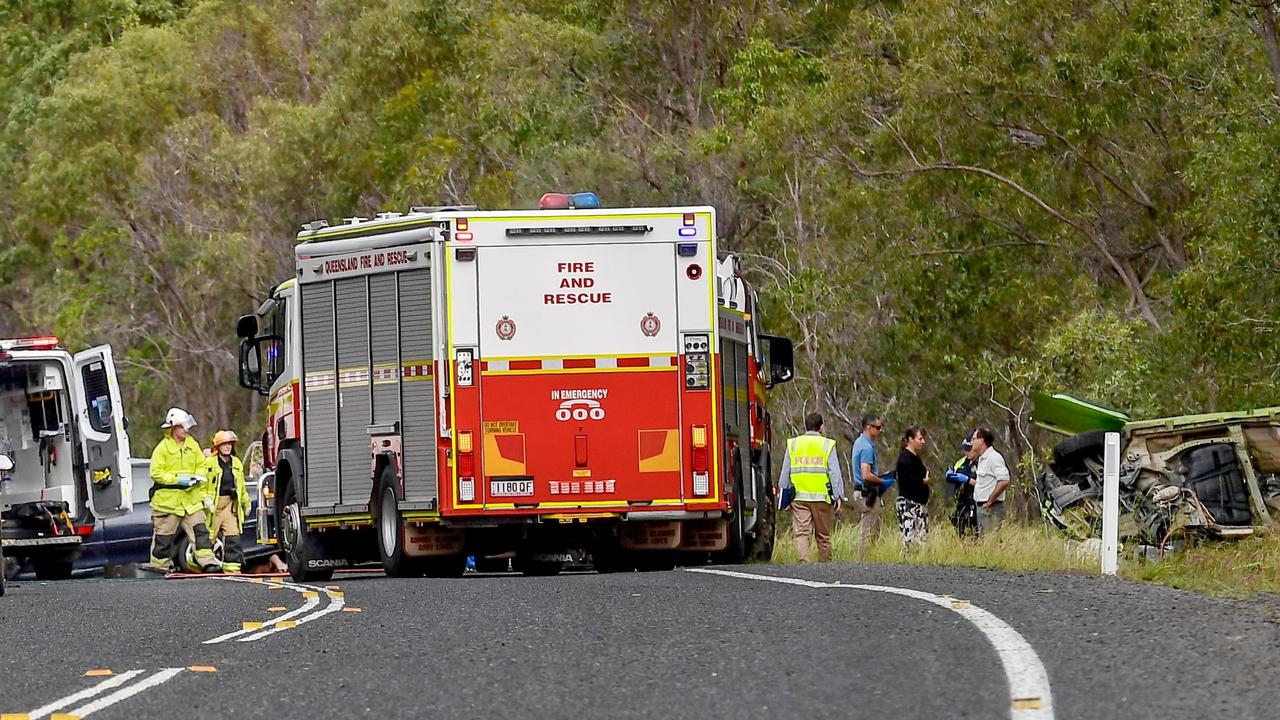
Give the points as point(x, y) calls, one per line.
point(203, 668)
point(252, 625)
point(99, 672)
point(287, 624)
point(277, 608)
point(1026, 703)
point(351, 609)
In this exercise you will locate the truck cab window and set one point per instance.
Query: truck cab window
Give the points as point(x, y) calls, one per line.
point(273, 357)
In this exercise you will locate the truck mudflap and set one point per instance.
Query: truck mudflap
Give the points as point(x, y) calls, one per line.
point(711, 535)
point(432, 540)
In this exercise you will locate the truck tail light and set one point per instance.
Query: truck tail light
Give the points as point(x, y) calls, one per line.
point(467, 489)
point(464, 441)
point(701, 478)
point(84, 530)
point(466, 467)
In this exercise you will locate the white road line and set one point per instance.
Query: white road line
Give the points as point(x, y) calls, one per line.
point(126, 692)
point(83, 694)
point(1029, 692)
point(336, 602)
point(307, 607)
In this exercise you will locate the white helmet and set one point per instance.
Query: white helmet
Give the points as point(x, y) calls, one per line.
point(176, 417)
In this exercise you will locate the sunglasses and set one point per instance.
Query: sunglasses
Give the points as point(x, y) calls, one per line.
point(878, 427)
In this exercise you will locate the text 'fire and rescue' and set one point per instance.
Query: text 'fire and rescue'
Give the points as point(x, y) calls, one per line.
point(367, 261)
point(576, 275)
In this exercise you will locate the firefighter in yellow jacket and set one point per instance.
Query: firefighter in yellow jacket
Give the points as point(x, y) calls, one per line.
point(224, 474)
point(178, 495)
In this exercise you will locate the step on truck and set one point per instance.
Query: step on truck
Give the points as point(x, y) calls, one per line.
point(528, 385)
point(63, 436)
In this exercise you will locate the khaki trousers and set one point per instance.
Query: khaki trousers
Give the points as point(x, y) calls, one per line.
point(227, 526)
point(868, 521)
point(813, 518)
point(166, 530)
point(989, 520)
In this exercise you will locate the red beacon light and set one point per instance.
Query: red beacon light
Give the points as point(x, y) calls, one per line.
point(47, 342)
point(565, 201)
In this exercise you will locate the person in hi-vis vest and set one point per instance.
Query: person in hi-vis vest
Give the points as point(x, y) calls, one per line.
point(813, 467)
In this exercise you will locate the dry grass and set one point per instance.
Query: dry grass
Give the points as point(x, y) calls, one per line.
point(1015, 548)
point(1227, 568)
point(1238, 568)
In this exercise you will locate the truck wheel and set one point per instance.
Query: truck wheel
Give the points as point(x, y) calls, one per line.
point(1069, 454)
point(391, 531)
point(296, 542)
point(767, 508)
point(537, 567)
point(736, 552)
point(53, 567)
point(655, 560)
point(443, 566)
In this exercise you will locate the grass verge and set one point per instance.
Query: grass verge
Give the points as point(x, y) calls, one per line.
point(1237, 569)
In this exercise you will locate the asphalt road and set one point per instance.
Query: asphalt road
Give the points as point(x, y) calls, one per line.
point(655, 645)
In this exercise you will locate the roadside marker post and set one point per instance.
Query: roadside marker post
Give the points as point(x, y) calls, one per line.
point(1110, 503)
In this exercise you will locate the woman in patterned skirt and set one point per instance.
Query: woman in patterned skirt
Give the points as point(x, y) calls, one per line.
point(913, 489)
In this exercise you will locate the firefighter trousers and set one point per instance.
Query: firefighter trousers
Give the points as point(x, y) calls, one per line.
point(164, 543)
point(226, 524)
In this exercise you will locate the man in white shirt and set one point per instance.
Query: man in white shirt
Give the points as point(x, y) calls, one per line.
point(991, 477)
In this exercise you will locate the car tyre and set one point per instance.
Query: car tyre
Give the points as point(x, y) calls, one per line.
point(1070, 454)
point(53, 567)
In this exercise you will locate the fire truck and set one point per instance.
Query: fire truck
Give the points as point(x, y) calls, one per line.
point(527, 385)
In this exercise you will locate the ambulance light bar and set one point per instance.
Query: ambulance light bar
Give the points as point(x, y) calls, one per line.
point(33, 343)
point(564, 201)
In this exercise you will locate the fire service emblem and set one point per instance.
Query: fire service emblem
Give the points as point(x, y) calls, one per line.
point(650, 325)
point(506, 328)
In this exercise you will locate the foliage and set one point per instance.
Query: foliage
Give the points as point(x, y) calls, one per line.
point(949, 206)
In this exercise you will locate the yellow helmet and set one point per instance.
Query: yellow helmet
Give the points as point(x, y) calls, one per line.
point(224, 436)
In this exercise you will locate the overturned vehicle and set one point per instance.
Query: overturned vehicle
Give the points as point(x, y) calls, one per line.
point(1213, 475)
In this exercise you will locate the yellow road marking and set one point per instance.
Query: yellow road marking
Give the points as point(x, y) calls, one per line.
point(310, 596)
point(1026, 703)
point(959, 605)
point(277, 608)
point(14, 716)
point(332, 587)
point(62, 716)
point(203, 668)
point(252, 625)
point(100, 672)
point(351, 609)
point(335, 594)
point(287, 624)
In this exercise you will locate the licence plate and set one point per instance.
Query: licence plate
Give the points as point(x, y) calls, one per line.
point(510, 488)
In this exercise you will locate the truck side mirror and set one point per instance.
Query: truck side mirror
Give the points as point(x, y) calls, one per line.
point(251, 364)
point(780, 359)
point(247, 326)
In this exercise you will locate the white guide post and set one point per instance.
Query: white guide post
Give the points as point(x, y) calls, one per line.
point(1110, 503)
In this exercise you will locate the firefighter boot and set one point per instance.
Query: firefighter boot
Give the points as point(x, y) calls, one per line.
point(204, 550)
point(162, 553)
point(232, 554)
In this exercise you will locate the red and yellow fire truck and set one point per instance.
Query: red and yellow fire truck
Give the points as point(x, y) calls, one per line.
point(514, 384)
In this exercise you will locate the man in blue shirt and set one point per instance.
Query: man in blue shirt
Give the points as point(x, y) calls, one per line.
point(866, 482)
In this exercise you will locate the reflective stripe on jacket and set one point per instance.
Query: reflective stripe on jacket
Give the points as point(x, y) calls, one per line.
point(809, 456)
point(213, 480)
point(168, 461)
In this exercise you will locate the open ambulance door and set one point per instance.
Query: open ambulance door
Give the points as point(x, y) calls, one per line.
point(96, 395)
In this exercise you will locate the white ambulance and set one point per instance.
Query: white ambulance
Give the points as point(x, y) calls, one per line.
point(62, 428)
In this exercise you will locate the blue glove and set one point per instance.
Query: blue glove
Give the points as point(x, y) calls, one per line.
point(958, 478)
point(186, 481)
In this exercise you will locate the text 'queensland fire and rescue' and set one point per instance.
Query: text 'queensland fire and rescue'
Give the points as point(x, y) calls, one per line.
point(577, 275)
point(367, 261)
